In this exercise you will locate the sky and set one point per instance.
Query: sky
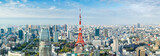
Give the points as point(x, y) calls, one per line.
point(95, 12)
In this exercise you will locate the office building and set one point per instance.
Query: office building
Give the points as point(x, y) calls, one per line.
point(51, 31)
point(26, 37)
point(105, 33)
point(96, 32)
point(55, 27)
point(45, 45)
point(138, 25)
point(20, 34)
point(45, 35)
point(132, 29)
point(89, 36)
point(2, 30)
point(45, 48)
point(115, 45)
point(140, 51)
point(65, 27)
point(55, 39)
point(9, 30)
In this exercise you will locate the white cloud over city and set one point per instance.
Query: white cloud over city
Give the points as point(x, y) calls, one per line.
point(123, 10)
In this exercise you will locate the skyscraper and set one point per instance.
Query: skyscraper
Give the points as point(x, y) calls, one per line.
point(33, 35)
point(9, 30)
point(20, 34)
point(68, 34)
point(55, 39)
point(138, 25)
point(2, 30)
point(132, 29)
point(105, 33)
point(45, 45)
point(115, 45)
point(96, 32)
point(55, 28)
point(45, 48)
point(89, 36)
point(65, 27)
point(45, 35)
point(51, 31)
point(26, 37)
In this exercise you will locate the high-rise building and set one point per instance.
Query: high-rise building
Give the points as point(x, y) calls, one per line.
point(51, 31)
point(55, 39)
point(2, 30)
point(132, 29)
point(89, 36)
point(20, 34)
point(129, 41)
point(9, 30)
point(140, 51)
point(45, 35)
point(65, 27)
point(33, 35)
point(55, 28)
point(45, 45)
point(138, 25)
point(105, 33)
point(28, 27)
point(68, 34)
point(26, 37)
point(115, 47)
point(45, 48)
point(96, 32)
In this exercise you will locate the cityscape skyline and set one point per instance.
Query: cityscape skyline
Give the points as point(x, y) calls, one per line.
point(79, 28)
point(66, 11)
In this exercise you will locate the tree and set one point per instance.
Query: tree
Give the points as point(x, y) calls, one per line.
point(19, 48)
point(28, 54)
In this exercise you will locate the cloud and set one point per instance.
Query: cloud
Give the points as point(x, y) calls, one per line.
point(24, 1)
point(52, 8)
point(131, 11)
point(0, 2)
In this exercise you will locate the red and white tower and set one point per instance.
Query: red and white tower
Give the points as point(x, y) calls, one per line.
point(80, 38)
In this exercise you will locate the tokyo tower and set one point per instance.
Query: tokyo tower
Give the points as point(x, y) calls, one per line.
point(80, 38)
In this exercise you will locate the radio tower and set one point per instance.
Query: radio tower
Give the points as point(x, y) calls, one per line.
point(80, 38)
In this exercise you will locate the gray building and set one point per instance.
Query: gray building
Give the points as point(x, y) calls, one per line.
point(45, 44)
point(45, 48)
point(55, 39)
point(45, 36)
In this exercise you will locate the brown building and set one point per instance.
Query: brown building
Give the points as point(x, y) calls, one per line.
point(140, 51)
point(157, 43)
